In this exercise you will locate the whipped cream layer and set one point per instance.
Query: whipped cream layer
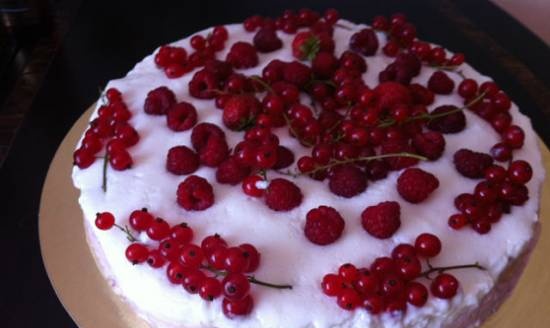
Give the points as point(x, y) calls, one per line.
point(287, 256)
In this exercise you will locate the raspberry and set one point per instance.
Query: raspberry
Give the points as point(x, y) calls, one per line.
point(239, 111)
point(266, 40)
point(282, 195)
point(203, 132)
point(324, 225)
point(181, 117)
point(159, 101)
point(242, 55)
point(297, 73)
point(220, 69)
point(195, 194)
point(214, 152)
point(390, 94)
point(408, 63)
point(347, 181)
point(472, 164)
point(415, 185)
point(421, 95)
point(324, 65)
point(430, 144)
point(364, 42)
point(440, 83)
point(203, 85)
point(231, 172)
point(451, 123)
point(398, 163)
point(382, 220)
point(182, 160)
point(285, 158)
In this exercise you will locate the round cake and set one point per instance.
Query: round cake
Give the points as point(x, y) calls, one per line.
point(306, 171)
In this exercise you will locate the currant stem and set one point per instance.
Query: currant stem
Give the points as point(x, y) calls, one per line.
point(128, 233)
point(262, 82)
point(251, 279)
point(104, 181)
point(432, 269)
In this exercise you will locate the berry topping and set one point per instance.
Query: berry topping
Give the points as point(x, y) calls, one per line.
point(231, 172)
point(242, 55)
point(430, 144)
point(137, 253)
point(158, 229)
point(235, 286)
point(204, 84)
point(159, 101)
point(447, 123)
point(440, 83)
point(140, 220)
point(182, 160)
point(471, 164)
point(233, 308)
point(282, 195)
point(195, 194)
point(364, 42)
point(305, 46)
point(324, 225)
point(239, 111)
point(444, 286)
point(104, 221)
point(427, 245)
point(415, 185)
point(266, 40)
point(347, 181)
point(382, 220)
point(520, 172)
point(181, 117)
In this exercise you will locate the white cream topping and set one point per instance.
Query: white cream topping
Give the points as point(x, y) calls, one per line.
point(287, 256)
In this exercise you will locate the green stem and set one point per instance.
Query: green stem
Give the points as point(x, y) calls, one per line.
point(440, 270)
point(251, 279)
point(262, 82)
point(128, 233)
point(104, 181)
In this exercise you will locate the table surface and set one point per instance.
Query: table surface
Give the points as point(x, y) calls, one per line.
point(101, 40)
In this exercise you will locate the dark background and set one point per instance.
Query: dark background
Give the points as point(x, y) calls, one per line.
point(55, 55)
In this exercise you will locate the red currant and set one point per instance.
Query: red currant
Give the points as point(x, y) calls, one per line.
point(210, 289)
point(235, 286)
point(104, 220)
point(210, 243)
point(250, 186)
point(137, 253)
point(349, 299)
point(235, 260)
point(141, 219)
point(182, 233)
point(158, 229)
point(233, 308)
point(427, 245)
point(193, 280)
point(444, 286)
point(520, 172)
point(417, 294)
point(83, 158)
point(191, 256)
point(253, 256)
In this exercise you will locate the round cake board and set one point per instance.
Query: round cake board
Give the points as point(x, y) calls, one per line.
point(90, 301)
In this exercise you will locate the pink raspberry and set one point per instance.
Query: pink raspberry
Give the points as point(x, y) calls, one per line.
point(451, 123)
point(266, 40)
point(440, 83)
point(415, 185)
point(203, 85)
point(382, 220)
point(347, 180)
point(181, 117)
point(214, 152)
point(390, 94)
point(297, 73)
point(324, 225)
point(242, 55)
point(282, 195)
point(231, 172)
point(421, 95)
point(220, 69)
point(471, 164)
point(430, 144)
point(285, 157)
point(159, 101)
point(203, 132)
point(182, 160)
point(240, 110)
point(195, 194)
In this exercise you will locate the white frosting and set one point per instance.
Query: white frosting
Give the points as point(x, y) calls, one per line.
point(287, 256)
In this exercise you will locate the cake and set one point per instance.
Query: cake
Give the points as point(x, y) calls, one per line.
point(309, 172)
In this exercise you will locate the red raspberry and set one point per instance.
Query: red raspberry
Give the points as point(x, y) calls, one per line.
point(266, 40)
point(347, 181)
point(195, 194)
point(451, 123)
point(204, 132)
point(297, 74)
point(364, 42)
point(324, 65)
point(242, 55)
point(220, 69)
point(285, 158)
point(382, 220)
point(324, 225)
point(349, 60)
point(282, 195)
point(181, 117)
point(159, 101)
point(231, 172)
point(240, 110)
point(440, 83)
point(182, 160)
point(421, 95)
point(305, 45)
point(214, 152)
point(390, 94)
point(203, 85)
point(472, 164)
point(398, 163)
point(430, 144)
point(415, 185)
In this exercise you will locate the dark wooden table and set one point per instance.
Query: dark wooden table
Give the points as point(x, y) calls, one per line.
point(54, 68)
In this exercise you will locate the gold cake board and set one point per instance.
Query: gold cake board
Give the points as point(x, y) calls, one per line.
point(90, 301)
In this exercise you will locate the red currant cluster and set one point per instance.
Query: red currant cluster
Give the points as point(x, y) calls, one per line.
point(290, 21)
point(111, 127)
point(500, 189)
point(211, 269)
point(175, 62)
point(391, 282)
